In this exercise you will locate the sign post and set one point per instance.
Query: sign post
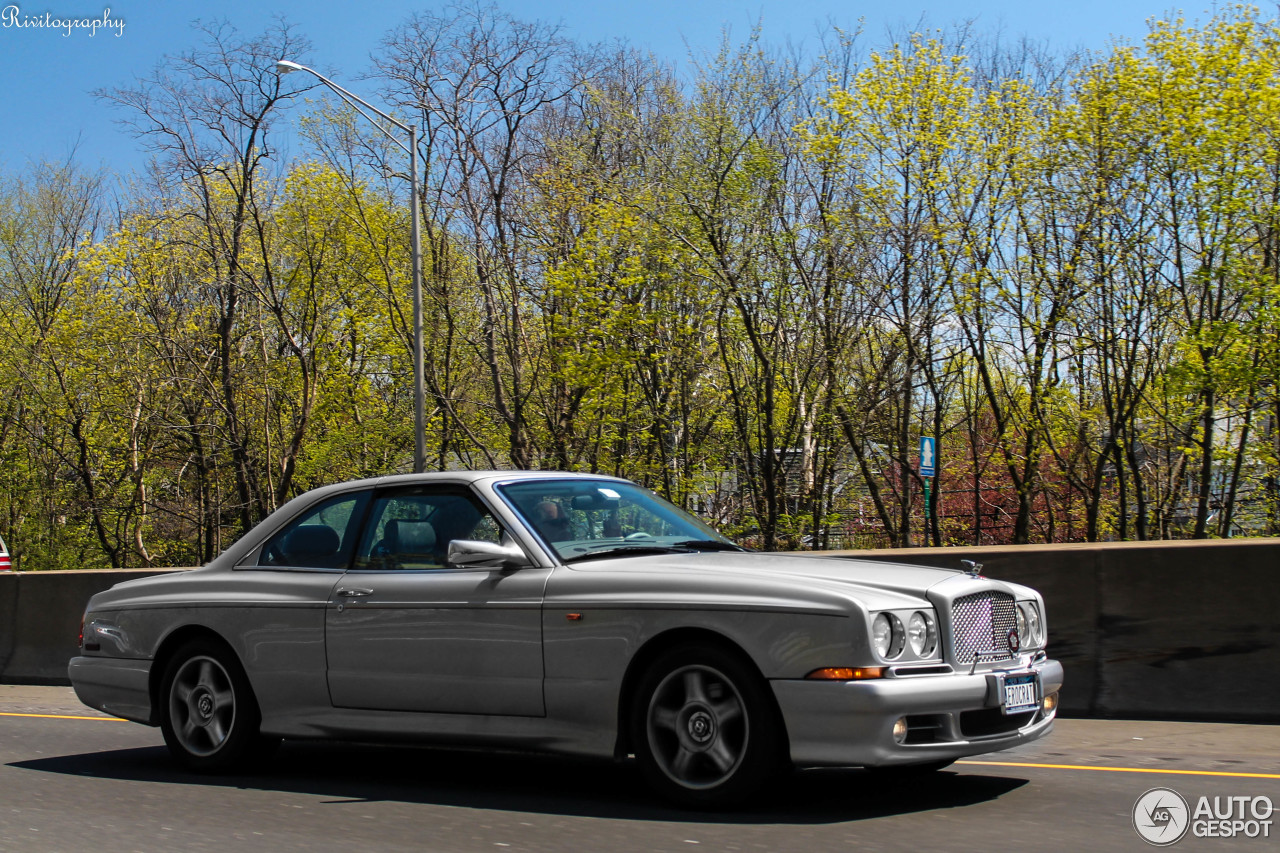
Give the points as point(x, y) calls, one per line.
point(926, 455)
point(927, 470)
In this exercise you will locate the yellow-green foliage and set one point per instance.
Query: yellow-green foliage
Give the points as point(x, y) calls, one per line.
point(753, 292)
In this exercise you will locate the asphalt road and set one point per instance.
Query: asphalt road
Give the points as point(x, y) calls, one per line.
point(73, 780)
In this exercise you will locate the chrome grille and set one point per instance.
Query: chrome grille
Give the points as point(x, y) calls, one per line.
point(981, 623)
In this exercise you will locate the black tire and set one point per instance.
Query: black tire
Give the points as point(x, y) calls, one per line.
point(704, 727)
point(208, 713)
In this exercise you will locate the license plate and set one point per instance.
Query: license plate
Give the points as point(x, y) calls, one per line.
point(1020, 694)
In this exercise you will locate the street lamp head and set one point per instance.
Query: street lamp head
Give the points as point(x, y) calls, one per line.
point(284, 66)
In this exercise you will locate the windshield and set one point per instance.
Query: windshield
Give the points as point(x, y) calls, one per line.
point(586, 519)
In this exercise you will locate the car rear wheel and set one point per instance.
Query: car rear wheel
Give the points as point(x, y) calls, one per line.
point(704, 728)
point(207, 711)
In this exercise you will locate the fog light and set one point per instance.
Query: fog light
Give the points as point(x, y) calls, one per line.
point(900, 730)
point(1050, 703)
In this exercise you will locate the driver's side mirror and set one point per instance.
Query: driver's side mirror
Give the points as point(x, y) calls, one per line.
point(473, 552)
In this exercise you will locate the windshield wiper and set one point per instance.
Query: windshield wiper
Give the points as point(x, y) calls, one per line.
point(628, 551)
point(708, 545)
point(688, 546)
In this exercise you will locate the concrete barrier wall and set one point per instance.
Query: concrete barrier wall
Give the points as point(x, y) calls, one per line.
point(1168, 630)
point(40, 620)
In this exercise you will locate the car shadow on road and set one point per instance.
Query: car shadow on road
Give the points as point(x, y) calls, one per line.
point(344, 774)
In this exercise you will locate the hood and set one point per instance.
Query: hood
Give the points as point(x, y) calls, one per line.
point(877, 585)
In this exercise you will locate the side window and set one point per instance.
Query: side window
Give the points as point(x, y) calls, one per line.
point(486, 530)
point(412, 528)
point(321, 538)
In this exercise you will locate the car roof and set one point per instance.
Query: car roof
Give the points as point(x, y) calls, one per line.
point(465, 477)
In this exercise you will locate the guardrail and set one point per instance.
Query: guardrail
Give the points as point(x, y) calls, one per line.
point(1165, 630)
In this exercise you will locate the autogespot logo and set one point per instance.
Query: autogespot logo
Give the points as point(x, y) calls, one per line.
point(1161, 817)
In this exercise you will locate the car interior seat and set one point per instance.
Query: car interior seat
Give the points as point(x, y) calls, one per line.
point(311, 545)
point(411, 542)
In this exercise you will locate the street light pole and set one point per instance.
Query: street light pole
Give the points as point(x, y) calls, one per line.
point(419, 369)
point(285, 66)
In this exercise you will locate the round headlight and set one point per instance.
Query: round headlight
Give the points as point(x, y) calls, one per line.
point(1035, 623)
point(921, 634)
point(881, 634)
point(1030, 627)
point(887, 635)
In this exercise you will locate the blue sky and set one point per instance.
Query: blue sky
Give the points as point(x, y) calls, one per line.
point(46, 74)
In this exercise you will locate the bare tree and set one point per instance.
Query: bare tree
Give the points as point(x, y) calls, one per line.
point(477, 78)
point(206, 115)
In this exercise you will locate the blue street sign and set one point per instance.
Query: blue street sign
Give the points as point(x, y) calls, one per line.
point(926, 456)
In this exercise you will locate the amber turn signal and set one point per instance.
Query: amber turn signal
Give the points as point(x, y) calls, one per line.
point(847, 673)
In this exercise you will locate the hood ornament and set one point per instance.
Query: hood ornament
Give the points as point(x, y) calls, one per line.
point(972, 568)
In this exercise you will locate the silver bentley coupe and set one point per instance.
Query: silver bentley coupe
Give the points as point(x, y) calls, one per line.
point(566, 613)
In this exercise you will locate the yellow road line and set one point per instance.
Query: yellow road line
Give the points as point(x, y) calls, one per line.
point(62, 717)
point(1126, 769)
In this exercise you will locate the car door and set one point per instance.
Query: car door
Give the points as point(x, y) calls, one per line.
point(406, 632)
point(282, 591)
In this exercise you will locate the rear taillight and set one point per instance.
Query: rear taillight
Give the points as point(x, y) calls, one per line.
point(6, 565)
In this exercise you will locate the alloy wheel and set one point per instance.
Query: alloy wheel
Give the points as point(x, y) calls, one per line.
point(697, 727)
point(202, 705)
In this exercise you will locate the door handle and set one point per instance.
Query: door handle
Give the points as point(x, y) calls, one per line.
point(354, 593)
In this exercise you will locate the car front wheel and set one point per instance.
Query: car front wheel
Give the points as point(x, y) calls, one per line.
point(208, 714)
point(704, 728)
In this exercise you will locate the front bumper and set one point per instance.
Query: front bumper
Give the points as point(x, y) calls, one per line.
point(121, 688)
point(950, 716)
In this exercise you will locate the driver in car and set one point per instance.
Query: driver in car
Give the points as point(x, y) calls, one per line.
point(551, 522)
